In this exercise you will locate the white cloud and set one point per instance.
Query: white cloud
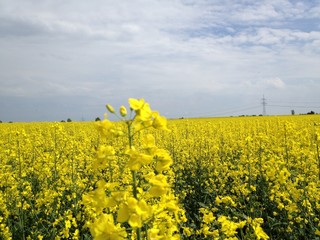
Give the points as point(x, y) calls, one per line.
point(164, 49)
point(257, 12)
point(275, 82)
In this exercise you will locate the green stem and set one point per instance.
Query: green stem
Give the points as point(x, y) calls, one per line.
point(55, 155)
point(285, 144)
point(134, 174)
point(318, 158)
point(134, 184)
point(138, 232)
point(130, 135)
point(20, 210)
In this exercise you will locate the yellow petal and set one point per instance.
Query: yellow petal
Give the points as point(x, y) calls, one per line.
point(157, 191)
point(145, 112)
point(135, 221)
point(136, 104)
point(123, 213)
point(159, 122)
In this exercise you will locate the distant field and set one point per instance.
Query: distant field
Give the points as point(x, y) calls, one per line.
point(234, 178)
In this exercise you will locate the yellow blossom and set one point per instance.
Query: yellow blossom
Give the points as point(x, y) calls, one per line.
point(137, 159)
point(104, 154)
point(229, 228)
point(159, 122)
point(159, 185)
point(103, 228)
point(164, 160)
point(142, 109)
point(123, 111)
point(134, 212)
point(136, 104)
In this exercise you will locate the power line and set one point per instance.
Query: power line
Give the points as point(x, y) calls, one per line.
point(264, 103)
point(294, 102)
point(234, 110)
point(291, 106)
point(229, 111)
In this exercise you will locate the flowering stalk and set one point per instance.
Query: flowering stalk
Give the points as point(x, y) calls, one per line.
point(145, 202)
point(133, 172)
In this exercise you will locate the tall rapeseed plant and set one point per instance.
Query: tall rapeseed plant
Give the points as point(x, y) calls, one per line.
point(139, 202)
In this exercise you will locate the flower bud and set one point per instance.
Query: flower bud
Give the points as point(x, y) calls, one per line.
point(123, 111)
point(110, 108)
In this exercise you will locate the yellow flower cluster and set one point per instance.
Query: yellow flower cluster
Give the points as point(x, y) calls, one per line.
point(218, 178)
point(225, 228)
point(138, 201)
point(43, 172)
point(263, 168)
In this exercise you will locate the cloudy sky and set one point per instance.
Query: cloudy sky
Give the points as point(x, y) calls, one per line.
point(66, 59)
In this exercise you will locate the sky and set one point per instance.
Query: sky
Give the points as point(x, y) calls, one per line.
point(188, 58)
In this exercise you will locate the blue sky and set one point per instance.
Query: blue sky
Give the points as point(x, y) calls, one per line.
point(67, 59)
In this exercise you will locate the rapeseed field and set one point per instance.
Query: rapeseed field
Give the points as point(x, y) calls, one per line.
point(146, 177)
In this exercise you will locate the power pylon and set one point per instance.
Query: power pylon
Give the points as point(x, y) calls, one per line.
point(264, 103)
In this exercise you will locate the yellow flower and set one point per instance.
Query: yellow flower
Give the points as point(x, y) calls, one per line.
point(159, 185)
point(105, 127)
point(149, 144)
point(123, 111)
point(136, 104)
point(116, 198)
point(123, 213)
point(226, 200)
point(218, 200)
point(153, 234)
point(134, 212)
point(159, 122)
point(104, 154)
point(137, 159)
point(145, 113)
point(164, 160)
point(208, 217)
point(187, 231)
point(67, 224)
point(142, 109)
point(104, 228)
point(260, 234)
point(97, 199)
point(229, 228)
point(207, 232)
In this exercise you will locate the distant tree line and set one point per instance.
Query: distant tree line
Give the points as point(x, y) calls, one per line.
point(292, 113)
point(311, 112)
point(68, 120)
point(8, 122)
